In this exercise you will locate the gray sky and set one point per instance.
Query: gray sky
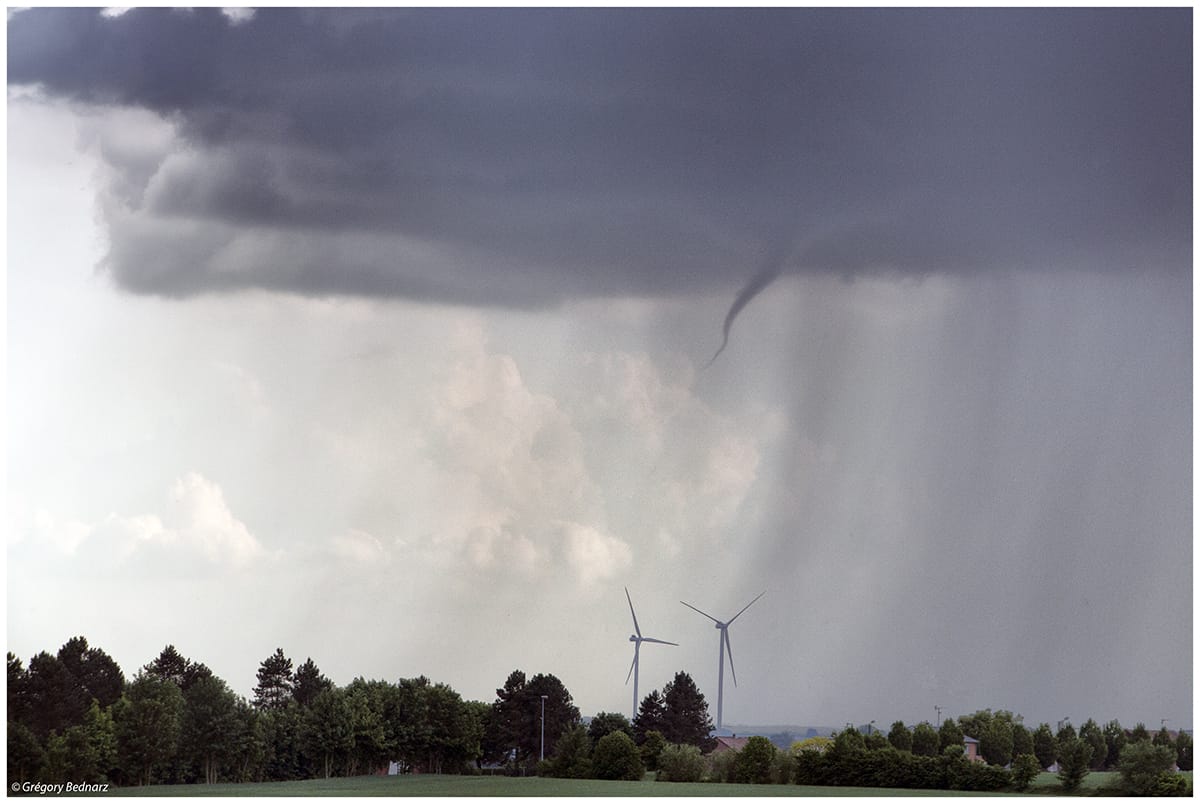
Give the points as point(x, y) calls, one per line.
point(379, 336)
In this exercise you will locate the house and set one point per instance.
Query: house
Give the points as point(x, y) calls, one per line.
point(971, 749)
point(733, 743)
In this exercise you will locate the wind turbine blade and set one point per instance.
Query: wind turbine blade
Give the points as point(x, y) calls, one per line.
point(709, 616)
point(631, 666)
point(660, 641)
point(635, 625)
point(729, 650)
point(748, 605)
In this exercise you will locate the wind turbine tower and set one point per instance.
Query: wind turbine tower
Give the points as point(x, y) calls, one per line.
point(722, 649)
point(637, 639)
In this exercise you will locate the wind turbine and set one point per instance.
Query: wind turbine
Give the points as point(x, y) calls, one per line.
point(637, 639)
point(724, 648)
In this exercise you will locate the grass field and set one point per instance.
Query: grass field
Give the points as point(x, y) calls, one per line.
point(504, 786)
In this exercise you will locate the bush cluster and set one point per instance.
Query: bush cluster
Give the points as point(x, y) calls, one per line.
point(887, 767)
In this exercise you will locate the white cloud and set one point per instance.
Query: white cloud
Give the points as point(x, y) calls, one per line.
point(238, 15)
point(594, 555)
point(203, 521)
point(620, 457)
point(64, 536)
point(358, 546)
point(197, 522)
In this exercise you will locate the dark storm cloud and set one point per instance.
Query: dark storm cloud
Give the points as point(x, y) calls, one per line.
point(519, 157)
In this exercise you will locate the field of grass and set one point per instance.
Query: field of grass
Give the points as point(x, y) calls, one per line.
point(504, 786)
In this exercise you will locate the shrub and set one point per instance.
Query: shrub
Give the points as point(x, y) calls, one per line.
point(572, 756)
point(752, 765)
point(1074, 757)
point(1168, 783)
point(652, 746)
point(1025, 769)
point(1140, 765)
point(781, 768)
point(616, 756)
point(809, 767)
point(962, 774)
point(720, 766)
point(680, 763)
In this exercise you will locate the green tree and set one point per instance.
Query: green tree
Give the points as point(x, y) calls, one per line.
point(1091, 733)
point(976, 723)
point(875, 740)
point(925, 740)
point(26, 757)
point(208, 727)
point(1022, 740)
point(174, 667)
point(572, 754)
point(1140, 765)
point(249, 744)
point(94, 669)
point(308, 683)
point(1183, 751)
point(606, 723)
point(950, 733)
point(680, 763)
point(147, 722)
point(327, 730)
point(1025, 769)
point(455, 732)
point(1074, 757)
point(1045, 747)
point(900, 737)
point(1139, 734)
point(55, 697)
point(406, 719)
point(369, 747)
point(100, 730)
point(18, 691)
point(753, 762)
point(1163, 737)
point(518, 715)
point(284, 757)
point(616, 757)
point(685, 717)
point(650, 717)
point(1114, 741)
point(651, 747)
point(996, 744)
point(274, 688)
point(848, 741)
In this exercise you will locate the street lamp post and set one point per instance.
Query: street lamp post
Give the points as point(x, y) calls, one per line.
point(543, 756)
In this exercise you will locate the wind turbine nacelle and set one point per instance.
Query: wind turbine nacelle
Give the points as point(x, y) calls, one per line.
point(633, 638)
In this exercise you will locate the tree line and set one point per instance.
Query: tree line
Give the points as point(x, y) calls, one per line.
point(1012, 755)
point(74, 717)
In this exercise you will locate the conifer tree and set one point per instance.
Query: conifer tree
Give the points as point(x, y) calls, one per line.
point(685, 716)
point(274, 688)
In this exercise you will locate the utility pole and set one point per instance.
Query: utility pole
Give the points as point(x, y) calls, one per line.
point(543, 756)
point(938, 709)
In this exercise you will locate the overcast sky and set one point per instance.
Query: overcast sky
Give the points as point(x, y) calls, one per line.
point(382, 337)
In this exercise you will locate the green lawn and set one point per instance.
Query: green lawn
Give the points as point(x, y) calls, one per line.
point(503, 786)
point(431, 785)
point(1049, 783)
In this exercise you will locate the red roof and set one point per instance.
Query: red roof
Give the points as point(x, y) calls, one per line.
point(730, 744)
